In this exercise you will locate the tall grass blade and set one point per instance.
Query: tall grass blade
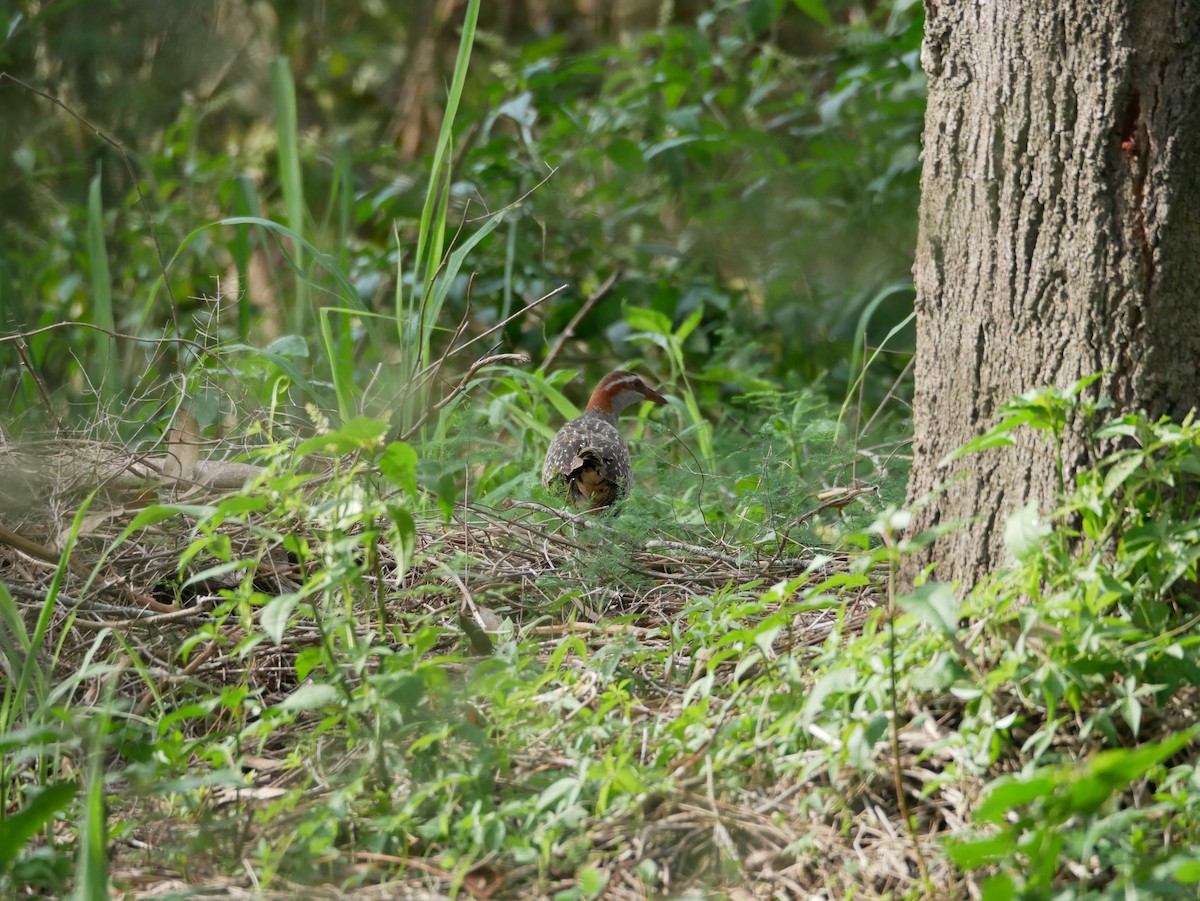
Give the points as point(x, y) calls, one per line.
point(283, 94)
point(897, 329)
point(107, 375)
point(245, 203)
point(47, 612)
point(15, 645)
point(417, 318)
point(91, 873)
point(441, 153)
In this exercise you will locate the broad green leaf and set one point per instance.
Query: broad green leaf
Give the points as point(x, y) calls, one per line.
point(626, 154)
point(274, 616)
point(312, 696)
point(591, 882)
point(934, 603)
point(1188, 872)
point(287, 346)
point(1121, 468)
point(689, 325)
point(398, 463)
point(973, 854)
point(999, 887)
point(1024, 530)
point(1010, 792)
point(646, 320)
point(17, 828)
point(816, 9)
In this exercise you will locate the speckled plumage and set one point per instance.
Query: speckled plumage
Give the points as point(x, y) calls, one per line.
point(588, 459)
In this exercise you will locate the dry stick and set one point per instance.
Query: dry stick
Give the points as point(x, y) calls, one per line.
point(837, 502)
point(37, 381)
point(193, 667)
point(569, 332)
point(458, 389)
point(707, 553)
point(518, 358)
point(120, 148)
point(575, 519)
point(433, 367)
point(519, 200)
point(458, 332)
point(19, 337)
point(897, 777)
point(495, 328)
point(28, 546)
point(414, 863)
point(891, 392)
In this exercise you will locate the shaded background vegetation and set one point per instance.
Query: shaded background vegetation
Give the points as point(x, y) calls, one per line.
point(753, 159)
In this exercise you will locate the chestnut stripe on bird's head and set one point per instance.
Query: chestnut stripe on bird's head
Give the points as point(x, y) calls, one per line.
point(620, 389)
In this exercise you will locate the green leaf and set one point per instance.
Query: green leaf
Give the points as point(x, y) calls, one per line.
point(1114, 769)
point(286, 346)
point(689, 325)
point(644, 320)
point(995, 437)
point(1188, 872)
point(282, 362)
point(312, 696)
point(626, 154)
point(274, 616)
point(359, 433)
point(816, 9)
point(306, 661)
point(935, 603)
point(1024, 531)
point(982, 443)
point(1010, 792)
point(999, 888)
point(670, 144)
point(398, 463)
point(973, 854)
point(26, 738)
point(1121, 468)
point(91, 872)
point(17, 828)
point(591, 882)
point(402, 537)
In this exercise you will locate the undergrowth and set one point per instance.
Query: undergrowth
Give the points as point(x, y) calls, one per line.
point(504, 701)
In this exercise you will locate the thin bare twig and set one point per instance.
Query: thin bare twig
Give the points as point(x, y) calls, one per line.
point(519, 200)
point(495, 328)
point(894, 732)
point(569, 332)
point(37, 381)
point(73, 323)
point(516, 359)
point(458, 332)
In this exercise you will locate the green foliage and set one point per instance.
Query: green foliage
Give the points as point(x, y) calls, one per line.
point(1049, 694)
point(1096, 659)
point(751, 172)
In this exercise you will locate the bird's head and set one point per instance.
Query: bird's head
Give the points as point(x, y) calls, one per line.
point(620, 389)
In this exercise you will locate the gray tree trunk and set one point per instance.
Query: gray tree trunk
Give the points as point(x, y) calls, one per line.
point(1059, 236)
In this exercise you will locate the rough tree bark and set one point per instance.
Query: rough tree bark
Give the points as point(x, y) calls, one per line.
point(1059, 236)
